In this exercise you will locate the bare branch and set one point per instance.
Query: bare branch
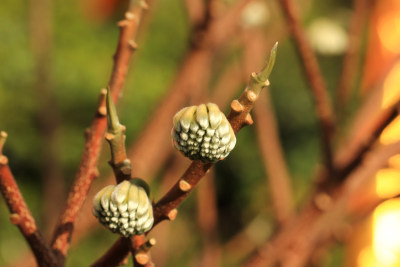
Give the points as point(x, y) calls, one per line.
point(20, 214)
point(293, 245)
point(352, 57)
point(323, 105)
point(87, 169)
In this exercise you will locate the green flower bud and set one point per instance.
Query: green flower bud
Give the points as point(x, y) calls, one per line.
point(203, 133)
point(124, 208)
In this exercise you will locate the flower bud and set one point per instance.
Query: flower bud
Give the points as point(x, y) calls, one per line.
point(203, 133)
point(124, 208)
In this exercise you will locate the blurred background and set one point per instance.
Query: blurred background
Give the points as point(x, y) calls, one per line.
point(57, 55)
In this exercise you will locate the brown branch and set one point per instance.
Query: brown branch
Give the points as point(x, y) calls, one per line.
point(207, 217)
point(324, 108)
point(20, 214)
point(53, 183)
point(115, 255)
point(87, 169)
point(239, 116)
point(273, 158)
point(353, 54)
point(294, 245)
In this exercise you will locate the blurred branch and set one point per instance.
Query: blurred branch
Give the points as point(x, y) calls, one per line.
point(268, 135)
point(87, 169)
point(53, 184)
point(294, 244)
point(207, 217)
point(324, 108)
point(195, 11)
point(353, 54)
point(20, 214)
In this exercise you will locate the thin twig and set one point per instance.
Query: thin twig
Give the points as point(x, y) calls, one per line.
point(324, 108)
point(20, 214)
point(353, 54)
point(87, 169)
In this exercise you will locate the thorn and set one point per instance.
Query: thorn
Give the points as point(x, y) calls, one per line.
point(142, 258)
point(251, 96)
point(172, 214)
point(248, 120)
point(133, 45)
point(184, 186)
point(236, 106)
point(3, 160)
point(15, 219)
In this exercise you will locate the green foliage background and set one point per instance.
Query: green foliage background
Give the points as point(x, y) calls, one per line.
point(81, 62)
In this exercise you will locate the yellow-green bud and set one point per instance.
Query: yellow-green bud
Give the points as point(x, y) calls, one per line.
point(124, 208)
point(203, 133)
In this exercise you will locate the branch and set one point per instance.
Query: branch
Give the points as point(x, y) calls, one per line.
point(324, 108)
point(87, 168)
point(268, 135)
point(352, 57)
point(115, 136)
point(293, 245)
point(239, 116)
point(20, 214)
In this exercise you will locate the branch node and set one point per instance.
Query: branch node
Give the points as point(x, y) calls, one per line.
point(146, 246)
point(129, 15)
point(323, 201)
point(142, 258)
point(122, 23)
point(126, 167)
point(3, 138)
point(109, 137)
point(251, 96)
point(133, 45)
point(96, 172)
point(236, 106)
point(102, 111)
point(184, 186)
point(144, 5)
point(15, 218)
point(3, 160)
point(172, 214)
point(248, 120)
